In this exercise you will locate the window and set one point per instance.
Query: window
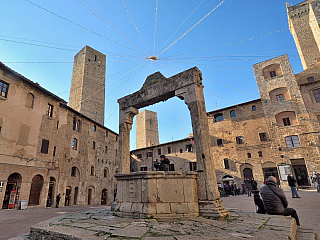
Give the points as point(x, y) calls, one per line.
point(159, 151)
point(92, 170)
point(233, 114)
point(3, 89)
point(218, 117)
point(273, 74)
point(260, 154)
point(316, 94)
point(149, 154)
point(116, 152)
point(73, 171)
point(74, 144)
point(106, 149)
point(189, 148)
point(254, 108)
point(292, 141)
point(226, 163)
point(219, 143)
point(193, 166)
point(94, 128)
point(143, 168)
point(105, 172)
point(249, 155)
point(116, 139)
point(45, 146)
point(29, 101)
point(286, 121)
point(240, 140)
point(310, 79)
point(93, 145)
point(106, 133)
point(95, 58)
point(171, 167)
point(139, 155)
point(263, 136)
point(169, 150)
point(280, 98)
point(54, 151)
point(181, 150)
point(49, 110)
point(57, 124)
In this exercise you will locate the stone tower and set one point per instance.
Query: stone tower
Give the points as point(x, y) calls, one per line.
point(87, 91)
point(147, 133)
point(304, 20)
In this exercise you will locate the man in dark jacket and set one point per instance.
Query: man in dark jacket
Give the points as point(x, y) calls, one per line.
point(163, 165)
point(292, 184)
point(275, 201)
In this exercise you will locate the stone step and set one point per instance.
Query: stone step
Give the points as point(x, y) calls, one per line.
point(304, 233)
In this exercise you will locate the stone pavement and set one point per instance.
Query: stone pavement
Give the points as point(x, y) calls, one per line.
point(101, 224)
point(307, 207)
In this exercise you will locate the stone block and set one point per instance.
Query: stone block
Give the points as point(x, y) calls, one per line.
point(125, 207)
point(179, 208)
point(190, 190)
point(136, 207)
point(151, 193)
point(149, 208)
point(192, 207)
point(170, 190)
point(163, 208)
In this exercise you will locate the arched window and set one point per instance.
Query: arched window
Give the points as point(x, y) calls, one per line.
point(92, 171)
point(233, 113)
point(74, 144)
point(30, 100)
point(74, 126)
point(279, 94)
point(272, 71)
point(218, 117)
point(286, 119)
point(78, 125)
point(105, 172)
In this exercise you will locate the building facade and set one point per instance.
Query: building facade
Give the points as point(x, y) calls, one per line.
point(47, 147)
point(275, 135)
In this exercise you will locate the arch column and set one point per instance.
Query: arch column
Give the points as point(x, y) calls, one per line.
point(125, 126)
point(210, 204)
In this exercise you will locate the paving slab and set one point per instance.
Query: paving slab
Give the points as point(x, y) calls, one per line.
point(101, 224)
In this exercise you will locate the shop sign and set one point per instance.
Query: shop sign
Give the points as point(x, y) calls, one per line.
point(284, 170)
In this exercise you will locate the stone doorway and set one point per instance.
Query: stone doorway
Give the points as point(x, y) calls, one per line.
point(13, 184)
point(270, 169)
point(68, 196)
point(75, 199)
point(51, 191)
point(35, 190)
point(300, 172)
point(104, 197)
point(89, 196)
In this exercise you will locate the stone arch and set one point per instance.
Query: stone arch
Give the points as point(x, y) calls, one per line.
point(246, 170)
point(187, 86)
point(286, 118)
point(13, 187)
point(279, 94)
point(271, 71)
point(104, 196)
point(35, 190)
point(90, 194)
point(30, 100)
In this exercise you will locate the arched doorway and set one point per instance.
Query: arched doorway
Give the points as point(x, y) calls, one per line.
point(12, 191)
point(75, 195)
point(89, 196)
point(68, 196)
point(51, 191)
point(104, 197)
point(270, 169)
point(247, 173)
point(35, 190)
point(227, 180)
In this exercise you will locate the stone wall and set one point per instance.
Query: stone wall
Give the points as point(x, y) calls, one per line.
point(157, 194)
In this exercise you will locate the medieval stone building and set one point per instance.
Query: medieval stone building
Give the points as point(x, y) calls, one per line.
point(275, 135)
point(48, 147)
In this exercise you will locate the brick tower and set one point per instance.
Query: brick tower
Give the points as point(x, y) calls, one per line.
point(147, 133)
point(87, 91)
point(304, 20)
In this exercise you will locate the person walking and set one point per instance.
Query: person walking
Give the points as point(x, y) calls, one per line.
point(275, 201)
point(248, 186)
point(292, 183)
point(58, 200)
point(254, 185)
point(314, 180)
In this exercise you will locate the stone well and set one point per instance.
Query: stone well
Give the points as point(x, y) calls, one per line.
point(157, 194)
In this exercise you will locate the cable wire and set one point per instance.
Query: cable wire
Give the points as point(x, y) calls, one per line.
point(155, 27)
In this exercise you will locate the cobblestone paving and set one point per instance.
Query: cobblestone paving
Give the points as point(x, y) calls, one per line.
point(307, 207)
point(101, 224)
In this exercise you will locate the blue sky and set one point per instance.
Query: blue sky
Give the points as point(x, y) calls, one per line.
point(41, 45)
